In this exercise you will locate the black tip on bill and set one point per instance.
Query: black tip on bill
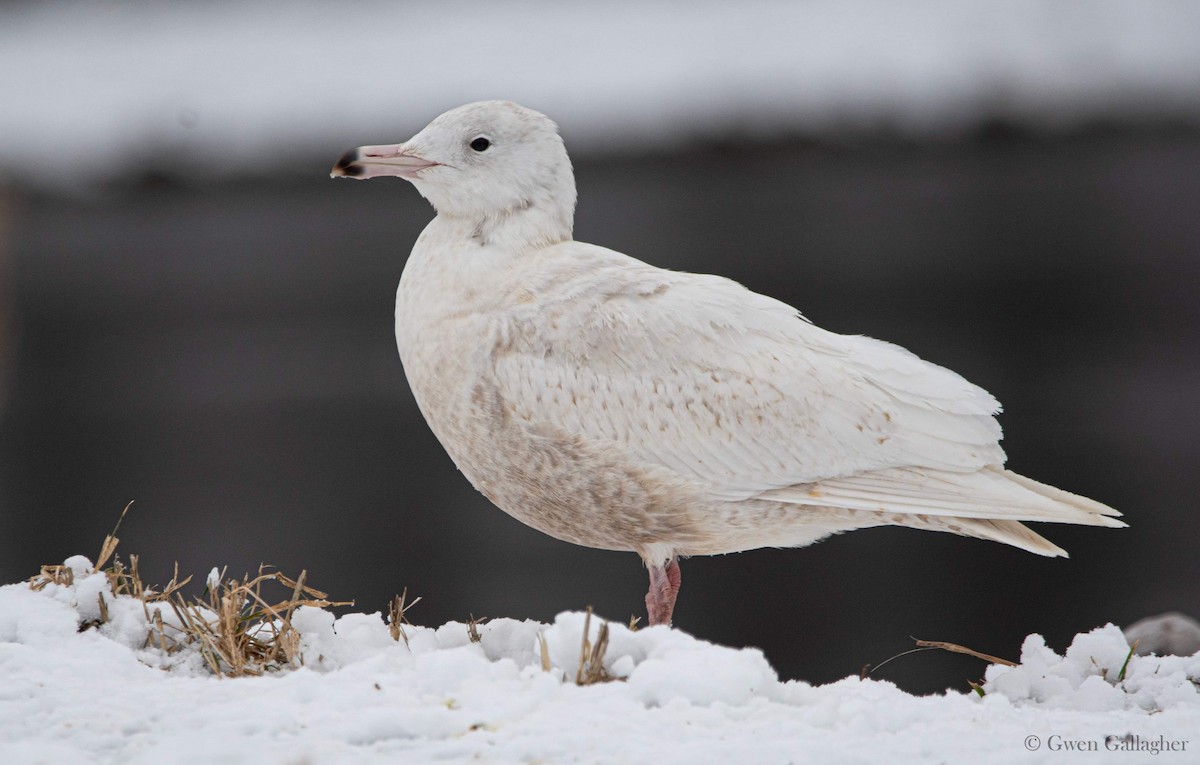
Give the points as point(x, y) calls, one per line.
point(345, 164)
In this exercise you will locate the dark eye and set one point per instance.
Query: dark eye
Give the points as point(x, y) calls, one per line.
point(480, 144)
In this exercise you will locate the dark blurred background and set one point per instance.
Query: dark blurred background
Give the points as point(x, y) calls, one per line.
point(195, 317)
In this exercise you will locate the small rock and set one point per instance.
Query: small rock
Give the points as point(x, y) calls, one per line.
point(1169, 634)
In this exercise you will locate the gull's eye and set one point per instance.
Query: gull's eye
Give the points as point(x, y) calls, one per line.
point(480, 144)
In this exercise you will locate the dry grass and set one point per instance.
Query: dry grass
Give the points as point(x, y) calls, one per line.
point(591, 657)
point(930, 645)
point(237, 627)
point(544, 650)
point(590, 669)
point(956, 648)
point(473, 626)
point(398, 616)
point(238, 631)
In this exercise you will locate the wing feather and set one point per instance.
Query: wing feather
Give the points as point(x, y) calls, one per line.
point(733, 390)
point(989, 493)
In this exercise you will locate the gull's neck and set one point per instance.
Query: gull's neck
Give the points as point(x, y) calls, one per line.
point(528, 226)
point(542, 214)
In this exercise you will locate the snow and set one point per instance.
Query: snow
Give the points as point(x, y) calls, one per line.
point(358, 696)
point(213, 579)
point(1080, 678)
point(99, 89)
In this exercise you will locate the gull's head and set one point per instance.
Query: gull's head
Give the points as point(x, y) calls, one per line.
point(483, 160)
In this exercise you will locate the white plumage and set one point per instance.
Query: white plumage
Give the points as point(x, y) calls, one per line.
point(619, 405)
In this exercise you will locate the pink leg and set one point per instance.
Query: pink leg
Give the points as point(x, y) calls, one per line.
point(664, 588)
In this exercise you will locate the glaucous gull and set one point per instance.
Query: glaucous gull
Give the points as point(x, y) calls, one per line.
point(617, 405)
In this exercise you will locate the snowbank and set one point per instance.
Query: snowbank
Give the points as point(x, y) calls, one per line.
point(101, 695)
point(98, 89)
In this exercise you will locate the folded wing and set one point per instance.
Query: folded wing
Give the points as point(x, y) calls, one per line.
point(740, 395)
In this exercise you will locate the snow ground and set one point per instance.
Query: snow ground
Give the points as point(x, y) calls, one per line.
point(98, 696)
point(94, 90)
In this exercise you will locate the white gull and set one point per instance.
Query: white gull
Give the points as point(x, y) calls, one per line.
point(617, 405)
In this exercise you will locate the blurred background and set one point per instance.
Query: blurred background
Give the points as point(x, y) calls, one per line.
point(195, 317)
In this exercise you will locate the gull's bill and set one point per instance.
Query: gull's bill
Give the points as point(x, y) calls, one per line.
point(375, 161)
